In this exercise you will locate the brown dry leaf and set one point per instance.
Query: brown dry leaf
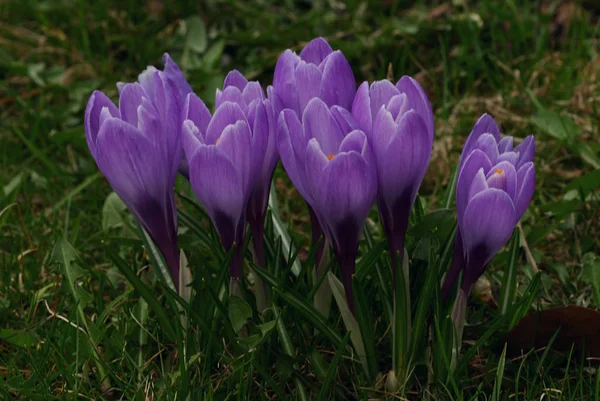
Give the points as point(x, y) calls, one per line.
point(577, 327)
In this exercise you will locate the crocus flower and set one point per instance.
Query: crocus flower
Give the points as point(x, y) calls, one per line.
point(494, 187)
point(399, 123)
point(331, 164)
point(259, 113)
point(226, 154)
point(137, 148)
point(318, 71)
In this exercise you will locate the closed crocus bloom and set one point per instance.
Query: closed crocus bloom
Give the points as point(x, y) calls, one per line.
point(317, 72)
point(259, 113)
point(137, 148)
point(494, 187)
point(225, 153)
point(331, 164)
point(399, 122)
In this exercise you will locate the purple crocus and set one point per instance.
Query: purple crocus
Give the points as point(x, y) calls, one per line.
point(226, 154)
point(494, 187)
point(318, 71)
point(399, 123)
point(331, 164)
point(259, 113)
point(137, 148)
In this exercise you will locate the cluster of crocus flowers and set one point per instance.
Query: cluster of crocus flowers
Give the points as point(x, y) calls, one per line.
point(342, 148)
point(494, 187)
point(137, 148)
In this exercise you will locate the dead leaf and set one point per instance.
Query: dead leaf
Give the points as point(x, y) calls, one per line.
point(577, 326)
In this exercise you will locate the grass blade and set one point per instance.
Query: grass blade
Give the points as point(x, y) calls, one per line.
point(333, 368)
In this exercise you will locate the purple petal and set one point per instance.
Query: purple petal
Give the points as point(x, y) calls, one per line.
point(488, 223)
point(226, 114)
point(337, 86)
point(129, 101)
point(230, 94)
point(348, 189)
point(315, 163)
point(487, 144)
point(485, 125)
point(361, 109)
point(97, 102)
point(526, 184)
point(383, 130)
point(291, 145)
point(503, 176)
point(474, 161)
point(315, 51)
point(479, 184)
point(344, 118)
point(354, 141)
point(526, 151)
point(235, 143)
point(216, 183)
point(405, 161)
point(398, 105)
point(261, 126)
point(380, 93)
point(284, 81)
point(253, 91)
point(308, 81)
point(417, 100)
point(511, 157)
point(235, 79)
point(128, 160)
point(319, 123)
point(196, 110)
point(505, 144)
point(174, 73)
point(191, 139)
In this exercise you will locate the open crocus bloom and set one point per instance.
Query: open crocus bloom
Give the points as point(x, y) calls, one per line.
point(331, 165)
point(137, 148)
point(494, 187)
point(225, 153)
point(399, 123)
point(317, 72)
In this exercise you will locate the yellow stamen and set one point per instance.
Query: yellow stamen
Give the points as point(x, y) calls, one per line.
point(330, 156)
point(499, 171)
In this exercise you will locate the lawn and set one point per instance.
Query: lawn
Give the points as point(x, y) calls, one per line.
point(85, 310)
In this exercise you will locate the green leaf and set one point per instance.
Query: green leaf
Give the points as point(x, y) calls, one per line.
point(558, 126)
point(281, 232)
point(239, 312)
point(156, 258)
point(496, 392)
point(337, 288)
point(19, 338)
point(145, 293)
point(112, 211)
point(587, 183)
point(591, 274)
point(266, 327)
point(195, 34)
point(508, 290)
point(333, 367)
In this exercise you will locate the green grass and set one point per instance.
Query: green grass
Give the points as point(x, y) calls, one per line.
point(66, 317)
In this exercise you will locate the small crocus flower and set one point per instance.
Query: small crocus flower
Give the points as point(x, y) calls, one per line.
point(318, 71)
point(226, 153)
point(399, 123)
point(494, 187)
point(137, 148)
point(331, 164)
point(259, 113)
